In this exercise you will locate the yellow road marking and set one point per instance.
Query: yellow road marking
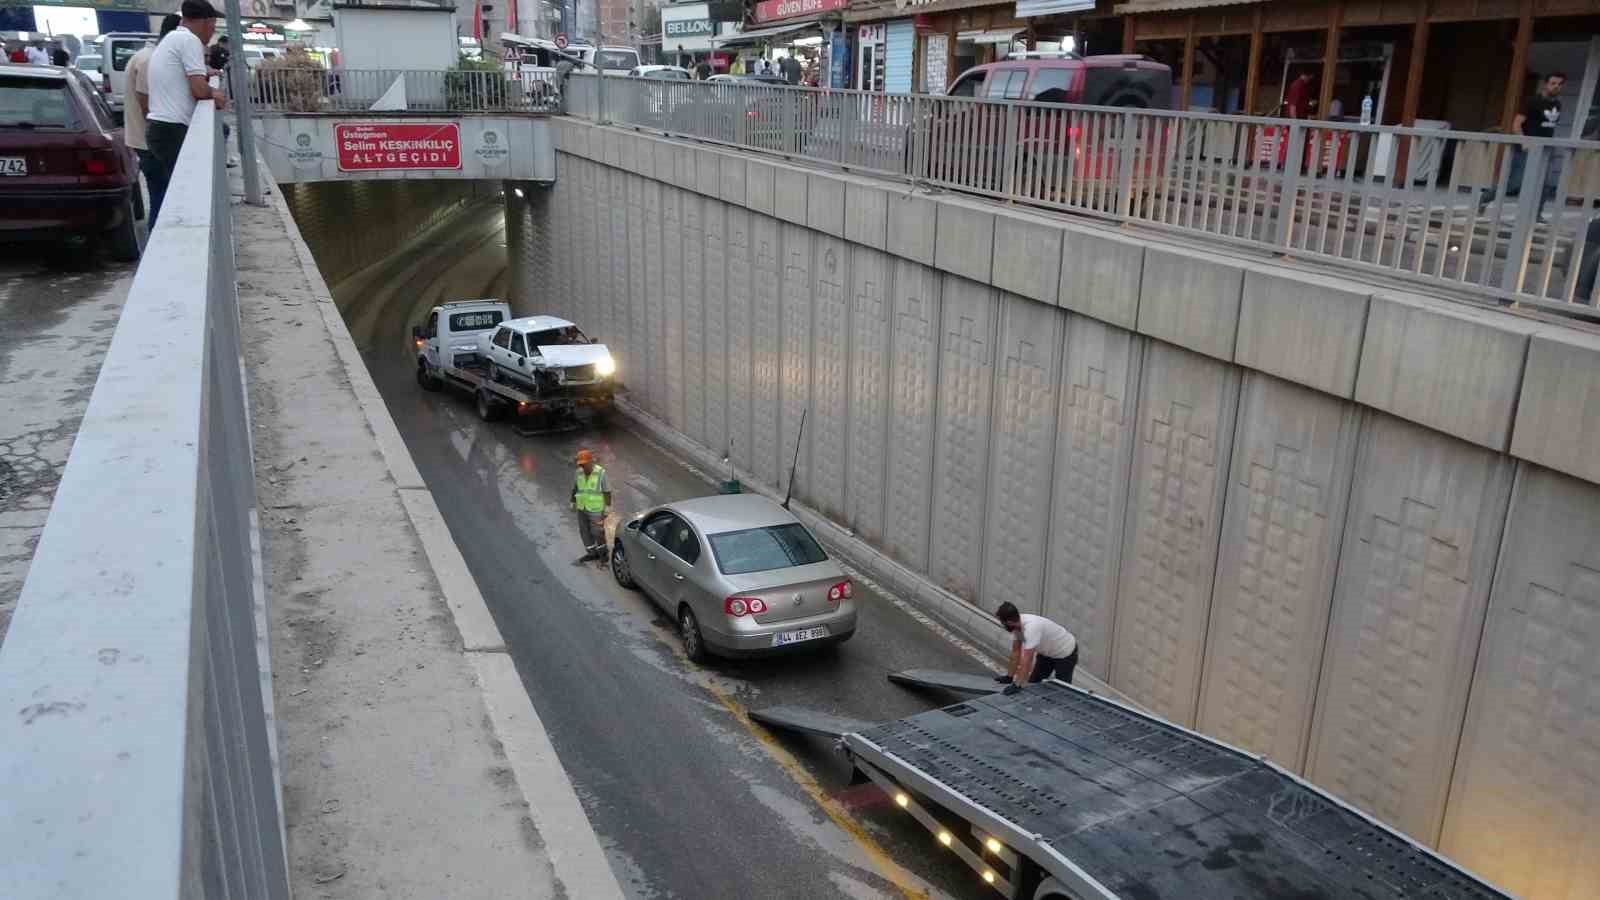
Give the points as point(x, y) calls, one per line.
point(888, 868)
point(840, 816)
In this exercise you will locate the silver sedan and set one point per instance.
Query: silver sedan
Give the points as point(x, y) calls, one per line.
point(739, 574)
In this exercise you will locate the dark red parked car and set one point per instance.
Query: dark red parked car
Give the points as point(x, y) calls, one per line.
point(65, 171)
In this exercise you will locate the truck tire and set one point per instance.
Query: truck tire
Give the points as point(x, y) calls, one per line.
point(123, 240)
point(488, 407)
point(425, 377)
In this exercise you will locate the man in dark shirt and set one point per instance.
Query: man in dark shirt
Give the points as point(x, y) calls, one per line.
point(1538, 118)
point(790, 67)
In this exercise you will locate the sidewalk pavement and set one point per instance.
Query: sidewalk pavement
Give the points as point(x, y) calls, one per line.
point(413, 762)
point(57, 325)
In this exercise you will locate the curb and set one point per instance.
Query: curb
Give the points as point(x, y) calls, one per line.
point(570, 841)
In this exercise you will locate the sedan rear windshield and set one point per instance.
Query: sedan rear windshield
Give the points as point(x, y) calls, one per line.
point(36, 103)
point(765, 549)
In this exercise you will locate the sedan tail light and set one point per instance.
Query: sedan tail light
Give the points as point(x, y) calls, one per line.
point(840, 591)
point(740, 606)
point(98, 162)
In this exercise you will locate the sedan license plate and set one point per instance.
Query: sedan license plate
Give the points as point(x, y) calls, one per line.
point(13, 165)
point(795, 637)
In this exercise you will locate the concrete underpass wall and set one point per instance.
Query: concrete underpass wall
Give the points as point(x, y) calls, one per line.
point(1355, 531)
point(351, 224)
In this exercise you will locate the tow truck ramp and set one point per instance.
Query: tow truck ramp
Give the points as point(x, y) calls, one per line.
point(1056, 793)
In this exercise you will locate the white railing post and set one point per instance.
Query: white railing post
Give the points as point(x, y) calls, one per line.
point(1290, 183)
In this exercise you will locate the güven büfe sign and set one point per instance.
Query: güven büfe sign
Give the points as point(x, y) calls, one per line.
point(770, 10)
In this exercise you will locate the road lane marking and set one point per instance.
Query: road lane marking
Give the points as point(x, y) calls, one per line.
point(905, 884)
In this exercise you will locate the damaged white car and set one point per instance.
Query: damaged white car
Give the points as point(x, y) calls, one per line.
point(546, 355)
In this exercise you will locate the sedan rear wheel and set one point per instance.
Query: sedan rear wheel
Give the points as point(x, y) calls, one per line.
point(619, 567)
point(694, 645)
point(124, 239)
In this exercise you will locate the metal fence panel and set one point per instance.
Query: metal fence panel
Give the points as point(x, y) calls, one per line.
point(1501, 215)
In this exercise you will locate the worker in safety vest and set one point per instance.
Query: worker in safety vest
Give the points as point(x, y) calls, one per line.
point(591, 497)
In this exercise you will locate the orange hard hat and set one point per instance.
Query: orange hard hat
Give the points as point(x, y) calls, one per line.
point(584, 456)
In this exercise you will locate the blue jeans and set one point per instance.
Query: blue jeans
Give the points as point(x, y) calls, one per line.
point(1517, 165)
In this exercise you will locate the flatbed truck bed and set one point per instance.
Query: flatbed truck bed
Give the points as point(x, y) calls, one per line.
point(537, 412)
point(1057, 793)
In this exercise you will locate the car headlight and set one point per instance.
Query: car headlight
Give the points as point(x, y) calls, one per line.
point(606, 367)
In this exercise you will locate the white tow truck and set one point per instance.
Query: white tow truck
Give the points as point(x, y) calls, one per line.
point(538, 368)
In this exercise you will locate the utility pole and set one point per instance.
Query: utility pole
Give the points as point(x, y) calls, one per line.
point(239, 82)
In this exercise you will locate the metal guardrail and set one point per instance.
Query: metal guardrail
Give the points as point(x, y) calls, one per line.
point(1500, 215)
point(136, 751)
point(314, 90)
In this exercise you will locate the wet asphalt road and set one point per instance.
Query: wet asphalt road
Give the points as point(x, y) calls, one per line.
point(690, 799)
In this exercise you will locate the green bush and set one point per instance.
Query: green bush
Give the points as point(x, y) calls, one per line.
point(476, 84)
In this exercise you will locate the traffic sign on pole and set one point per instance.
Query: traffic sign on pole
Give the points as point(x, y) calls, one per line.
point(561, 41)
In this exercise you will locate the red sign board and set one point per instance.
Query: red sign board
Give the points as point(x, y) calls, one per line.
point(398, 145)
point(772, 10)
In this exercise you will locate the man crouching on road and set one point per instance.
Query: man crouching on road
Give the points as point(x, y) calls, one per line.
point(1039, 648)
point(591, 497)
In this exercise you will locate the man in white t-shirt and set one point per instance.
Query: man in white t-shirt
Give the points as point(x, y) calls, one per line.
point(178, 79)
point(37, 55)
point(1039, 648)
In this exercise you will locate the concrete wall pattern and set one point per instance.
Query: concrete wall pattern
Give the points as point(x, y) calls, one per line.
point(1251, 523)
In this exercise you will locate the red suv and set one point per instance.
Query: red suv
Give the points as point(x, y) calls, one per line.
point(65, 170)
point(1136, 81)
point(1057, 151)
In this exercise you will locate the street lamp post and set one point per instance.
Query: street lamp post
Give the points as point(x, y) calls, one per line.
point(239, 81)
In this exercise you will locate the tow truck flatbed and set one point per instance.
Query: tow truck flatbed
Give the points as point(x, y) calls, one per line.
point(1068, 795)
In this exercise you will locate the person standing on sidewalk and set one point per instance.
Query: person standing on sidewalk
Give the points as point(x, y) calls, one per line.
point(138, 101)
point(1538, 118)
point(178, 80)
point(1039, 648)
point(591, 497)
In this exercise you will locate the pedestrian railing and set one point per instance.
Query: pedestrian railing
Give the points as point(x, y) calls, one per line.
point(1500, 215)
point(136, 749)
point(345, 91)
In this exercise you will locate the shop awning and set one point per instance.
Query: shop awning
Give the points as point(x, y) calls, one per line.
point(1027, 9)
point(989, 37)
point(757, 35)
point(1140, 7)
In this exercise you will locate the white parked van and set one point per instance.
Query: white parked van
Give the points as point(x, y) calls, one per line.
point(115, 51)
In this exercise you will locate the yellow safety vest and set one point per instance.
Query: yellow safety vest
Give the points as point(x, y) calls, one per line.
point(590, 499)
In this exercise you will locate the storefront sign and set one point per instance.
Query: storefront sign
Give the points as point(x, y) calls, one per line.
point(398, 145)
point(870, 34)
point(686, 28)
point(262, 32)
point(772, 10)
